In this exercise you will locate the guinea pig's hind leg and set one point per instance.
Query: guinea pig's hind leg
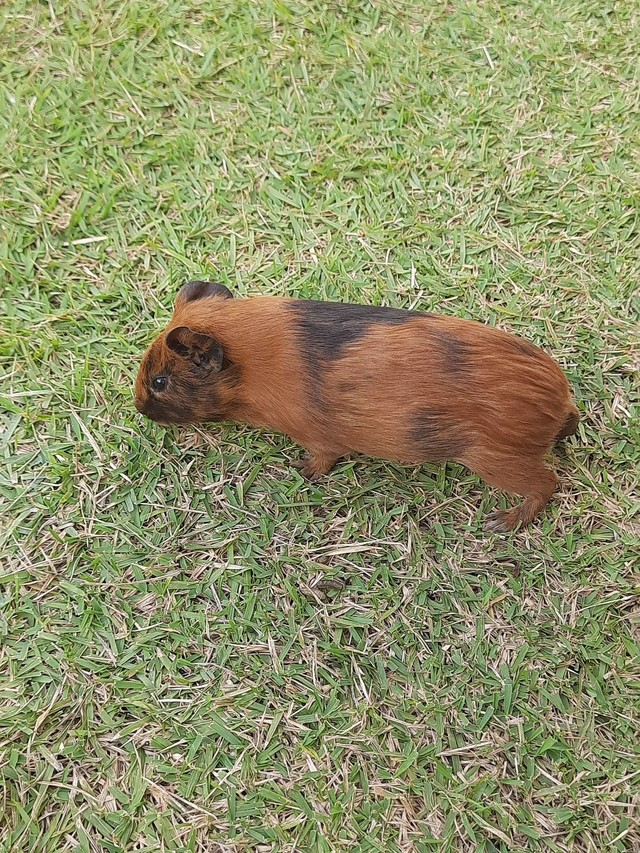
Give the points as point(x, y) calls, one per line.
point(316, 463)
point(530, 478)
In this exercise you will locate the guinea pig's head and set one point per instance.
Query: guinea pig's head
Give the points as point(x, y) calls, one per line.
point(184, 377)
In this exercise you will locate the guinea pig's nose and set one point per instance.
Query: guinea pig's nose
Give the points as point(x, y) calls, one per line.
point(139, 405)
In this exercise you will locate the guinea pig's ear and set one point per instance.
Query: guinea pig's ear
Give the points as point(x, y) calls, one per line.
point(194, 290)
point(203, 350)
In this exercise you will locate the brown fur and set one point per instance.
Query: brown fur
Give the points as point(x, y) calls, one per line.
point(338, 379)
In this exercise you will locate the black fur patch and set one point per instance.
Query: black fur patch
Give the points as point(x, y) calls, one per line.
point(435, 436)
point(327, 328)
point(569, 426)
point(456, 354)
point(193, 290)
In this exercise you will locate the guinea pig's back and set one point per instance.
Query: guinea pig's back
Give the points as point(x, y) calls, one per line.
point(436, 388)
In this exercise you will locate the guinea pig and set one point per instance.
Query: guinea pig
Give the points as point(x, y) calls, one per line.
point(339, 378)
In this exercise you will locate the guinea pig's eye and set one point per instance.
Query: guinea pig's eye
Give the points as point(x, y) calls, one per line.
point(159, 383)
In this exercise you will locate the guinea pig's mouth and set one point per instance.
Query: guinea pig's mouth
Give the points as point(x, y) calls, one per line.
point(146, 408)
point(167, 416)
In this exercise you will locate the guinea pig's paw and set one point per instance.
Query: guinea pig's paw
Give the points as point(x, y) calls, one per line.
point(305, 467)
point(312, 467)
point(501, 521)
point(308, 470)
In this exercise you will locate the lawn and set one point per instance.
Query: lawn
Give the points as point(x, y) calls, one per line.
point(200, 651)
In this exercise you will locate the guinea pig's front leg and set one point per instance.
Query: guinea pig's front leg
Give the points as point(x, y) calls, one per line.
point(317, 463)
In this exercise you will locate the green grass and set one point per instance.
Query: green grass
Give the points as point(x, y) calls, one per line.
point(202, 652)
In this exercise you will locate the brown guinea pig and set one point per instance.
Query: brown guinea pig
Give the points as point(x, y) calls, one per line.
point(340, 378)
